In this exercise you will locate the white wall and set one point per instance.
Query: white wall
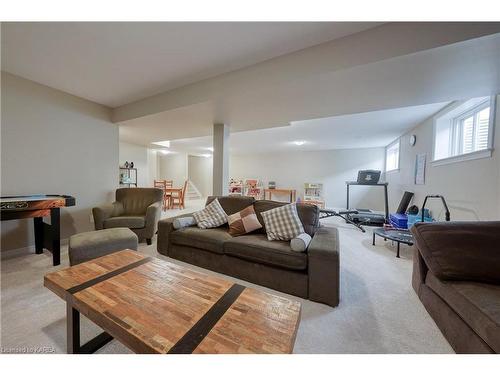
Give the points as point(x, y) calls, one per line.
point(153, 166)
point(173, 167)
point(332, 168)
point(471, 188)
point(55, 143)
point(200, 173)
point(144, 160)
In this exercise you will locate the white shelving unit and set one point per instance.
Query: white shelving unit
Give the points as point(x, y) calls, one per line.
point(313, 194)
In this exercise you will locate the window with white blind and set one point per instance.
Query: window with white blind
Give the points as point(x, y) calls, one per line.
point(464, 129)
point(392, 157)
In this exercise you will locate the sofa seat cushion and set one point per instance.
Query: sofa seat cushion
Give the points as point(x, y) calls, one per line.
point(205, 239)
point(133, 222)
point(477, 304)
point(257, 248)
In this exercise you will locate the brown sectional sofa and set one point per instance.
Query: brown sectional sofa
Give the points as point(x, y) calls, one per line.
point(456, 274)
point(313, 274)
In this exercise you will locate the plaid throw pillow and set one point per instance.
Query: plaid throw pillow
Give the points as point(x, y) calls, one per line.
point(212, 216)
point(282, 223)
point(243, 222)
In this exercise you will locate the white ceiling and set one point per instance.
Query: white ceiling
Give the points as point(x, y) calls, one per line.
point(362, 85)
point(363, 130)
point(185, 122)
point(118, 63)
point(258, 97)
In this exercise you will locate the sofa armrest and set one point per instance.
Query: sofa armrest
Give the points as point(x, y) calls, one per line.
point(460, 250)
point(324, 266)
point(153, 212)
point(101, 213)
point(165, 228)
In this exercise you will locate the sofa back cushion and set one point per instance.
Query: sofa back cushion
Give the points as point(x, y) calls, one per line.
point(308, 214)
point(232, 204)
point(468, 251)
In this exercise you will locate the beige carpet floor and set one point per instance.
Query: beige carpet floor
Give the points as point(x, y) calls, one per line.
point(378, 313)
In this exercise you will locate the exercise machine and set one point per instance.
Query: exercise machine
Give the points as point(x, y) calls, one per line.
point(447, 210)
point(324, 213)
point(365, 216)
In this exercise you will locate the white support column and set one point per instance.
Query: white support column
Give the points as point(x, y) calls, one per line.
point(221, 159)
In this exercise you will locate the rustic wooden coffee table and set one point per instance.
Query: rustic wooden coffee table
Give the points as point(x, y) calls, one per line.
point(154, 306)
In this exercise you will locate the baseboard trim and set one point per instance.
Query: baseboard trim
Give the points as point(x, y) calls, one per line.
point(4, 254)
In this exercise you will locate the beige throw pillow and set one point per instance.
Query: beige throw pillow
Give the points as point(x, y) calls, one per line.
point(243, 222)
point(282, 223)
point(212, 216)
point(301, 242)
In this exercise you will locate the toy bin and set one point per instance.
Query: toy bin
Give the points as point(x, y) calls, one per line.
point(399, 220)
point(412, 219)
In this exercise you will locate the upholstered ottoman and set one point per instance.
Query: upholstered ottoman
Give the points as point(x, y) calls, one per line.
point(90, 245)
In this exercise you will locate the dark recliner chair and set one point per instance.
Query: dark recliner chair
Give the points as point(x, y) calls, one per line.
point(135, 208)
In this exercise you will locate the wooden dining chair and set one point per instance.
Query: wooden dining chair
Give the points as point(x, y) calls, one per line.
point(163, 184)
point(178, 198)
point(169, 184)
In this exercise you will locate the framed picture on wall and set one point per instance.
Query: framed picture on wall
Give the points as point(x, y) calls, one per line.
point(420, 161)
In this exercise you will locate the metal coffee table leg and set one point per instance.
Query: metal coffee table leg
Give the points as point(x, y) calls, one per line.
point(73, 335)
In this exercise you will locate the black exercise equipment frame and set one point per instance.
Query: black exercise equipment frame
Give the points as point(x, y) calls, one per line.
point(324, 213)
point(386, 198)
point(447, 212)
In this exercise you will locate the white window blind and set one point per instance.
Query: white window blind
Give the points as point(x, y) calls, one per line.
point(392, 156)
point(465, 129)
point(482, 129)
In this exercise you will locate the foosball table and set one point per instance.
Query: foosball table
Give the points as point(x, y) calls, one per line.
point(37, 207)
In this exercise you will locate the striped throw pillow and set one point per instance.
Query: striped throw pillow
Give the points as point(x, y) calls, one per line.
point(212, 216)
point(282, 223)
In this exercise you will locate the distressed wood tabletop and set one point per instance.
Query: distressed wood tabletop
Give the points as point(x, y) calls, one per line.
point(154, 306)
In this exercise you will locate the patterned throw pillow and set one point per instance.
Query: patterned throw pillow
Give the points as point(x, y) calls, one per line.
point(243, 222)
point(212, 216)
point(282, 223)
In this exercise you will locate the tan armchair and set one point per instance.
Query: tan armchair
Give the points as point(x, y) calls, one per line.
point(135, 208)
